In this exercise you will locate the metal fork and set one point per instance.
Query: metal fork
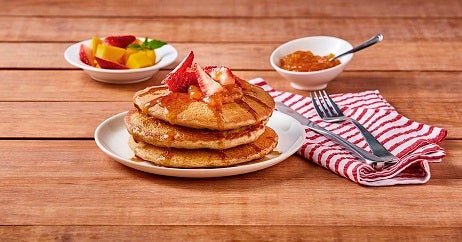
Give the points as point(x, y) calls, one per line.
point(329, 112)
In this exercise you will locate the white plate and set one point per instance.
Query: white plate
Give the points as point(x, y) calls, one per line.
point(165, 56)
point(111, 137)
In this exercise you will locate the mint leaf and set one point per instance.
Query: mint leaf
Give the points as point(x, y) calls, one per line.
point(153, 44)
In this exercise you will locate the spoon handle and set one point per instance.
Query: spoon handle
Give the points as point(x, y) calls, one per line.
point(366, 44)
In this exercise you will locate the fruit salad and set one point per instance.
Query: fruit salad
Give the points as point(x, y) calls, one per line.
point(120, 52)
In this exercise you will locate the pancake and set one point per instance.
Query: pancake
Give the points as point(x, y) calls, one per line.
point(160, 133)
point(203, 158)
point(252, 107)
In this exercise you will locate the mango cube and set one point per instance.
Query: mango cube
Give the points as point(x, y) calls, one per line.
point(110, 53)
point(151, 54)
point(141, 59)
point(128, 52)
point(95, 41)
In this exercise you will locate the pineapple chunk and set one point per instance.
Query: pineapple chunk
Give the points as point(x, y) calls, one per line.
point(110, 53)
point(141, 59)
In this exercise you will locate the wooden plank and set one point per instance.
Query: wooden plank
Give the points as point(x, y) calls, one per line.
point(224, 8)
point(75, 85)
point(64, 119)
point(55, 96)
point(230, 233)
point(72, 183)
point(242, 30)
point(56, 119)
point(50, 158)
point(66, 201)
point(408, 56)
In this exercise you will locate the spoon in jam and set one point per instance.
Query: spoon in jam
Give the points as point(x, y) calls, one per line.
point(366, 44)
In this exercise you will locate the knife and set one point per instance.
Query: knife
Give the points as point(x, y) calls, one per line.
point(368, 158)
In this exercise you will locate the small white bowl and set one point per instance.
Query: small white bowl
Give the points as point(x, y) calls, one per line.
point(319, 45)
point(165, 56)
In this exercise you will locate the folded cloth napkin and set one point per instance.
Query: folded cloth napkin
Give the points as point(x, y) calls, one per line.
point(415, 144)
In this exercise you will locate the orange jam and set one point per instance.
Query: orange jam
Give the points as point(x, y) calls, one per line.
point(304, 61)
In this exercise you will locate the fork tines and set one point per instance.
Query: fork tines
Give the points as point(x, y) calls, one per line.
point(324, 105)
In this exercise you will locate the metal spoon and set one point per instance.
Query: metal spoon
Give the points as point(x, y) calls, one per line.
point(366, 44)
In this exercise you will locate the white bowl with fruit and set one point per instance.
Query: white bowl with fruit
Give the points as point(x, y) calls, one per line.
point(120, 59)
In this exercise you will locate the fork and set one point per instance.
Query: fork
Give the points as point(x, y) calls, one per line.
point(329, 112)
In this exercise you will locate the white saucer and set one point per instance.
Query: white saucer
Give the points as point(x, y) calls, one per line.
point(111, 137)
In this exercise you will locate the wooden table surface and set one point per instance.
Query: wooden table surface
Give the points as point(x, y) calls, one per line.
point(56, 185)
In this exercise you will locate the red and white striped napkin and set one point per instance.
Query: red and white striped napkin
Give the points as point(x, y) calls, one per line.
point(415, 144)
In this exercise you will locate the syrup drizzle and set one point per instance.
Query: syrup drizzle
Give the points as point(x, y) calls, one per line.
point(150, 90)
point(247, 107)
point(168, 155)
point(174, 103)
point(136, 159)
point(170, 137)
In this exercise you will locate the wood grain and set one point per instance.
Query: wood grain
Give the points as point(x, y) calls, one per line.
point(64, 119)
point(56, 119)
point(57, 185)
point(414, 56)
point(229, 233)
point(55, 99)
point(238, 8)
point(230, 30)
point(75, 85)
point(75, 187)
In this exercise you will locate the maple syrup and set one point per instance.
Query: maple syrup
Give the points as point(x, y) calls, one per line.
point(175, 103)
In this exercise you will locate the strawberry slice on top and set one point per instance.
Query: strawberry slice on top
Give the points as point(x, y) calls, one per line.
point(182, 76)
point(209, 80)
point(180, 82)
point(206, 83)
point(222, 74)
point(121, 41)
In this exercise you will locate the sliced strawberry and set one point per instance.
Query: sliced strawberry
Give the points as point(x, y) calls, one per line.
point(121, 41)
point(105, 64)
point(181, 77)
point(207, 85)
point(86, 55)
point(182, 67)
point(222, 74)
point(185, 63)
point(191, 77)
point(181, 81)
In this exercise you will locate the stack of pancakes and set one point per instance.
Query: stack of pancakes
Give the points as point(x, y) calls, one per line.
point(174, 130)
